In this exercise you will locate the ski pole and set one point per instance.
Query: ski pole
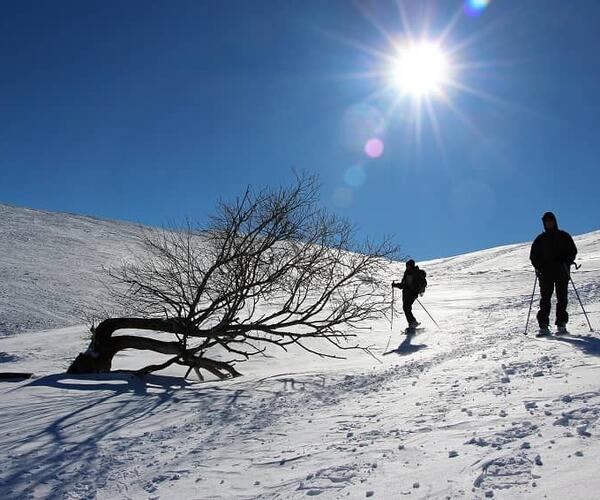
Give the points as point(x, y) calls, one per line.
point(581, 304)
point(531, 303)
point(388, 344)
point(428, 314)
point(392, 319)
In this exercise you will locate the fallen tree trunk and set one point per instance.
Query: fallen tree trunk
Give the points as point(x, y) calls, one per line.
point(104, 346)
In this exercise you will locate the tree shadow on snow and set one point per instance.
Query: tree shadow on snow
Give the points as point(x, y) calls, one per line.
point(56, 433)
point(588, 344)
point(114, 381)
point(406, 348)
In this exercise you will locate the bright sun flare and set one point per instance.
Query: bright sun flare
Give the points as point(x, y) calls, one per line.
point(420, 70)
point(415, 73)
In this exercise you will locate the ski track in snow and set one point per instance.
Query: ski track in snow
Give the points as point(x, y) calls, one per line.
point(475, 410)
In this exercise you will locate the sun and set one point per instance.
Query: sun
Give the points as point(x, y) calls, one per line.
point(421, 74)
point(420, 69)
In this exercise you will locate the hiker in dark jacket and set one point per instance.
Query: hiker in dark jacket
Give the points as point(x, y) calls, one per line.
point(552, 254)
point(413, 282)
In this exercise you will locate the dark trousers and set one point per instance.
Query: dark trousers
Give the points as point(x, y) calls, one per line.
point(408, 299)
point(547, 286)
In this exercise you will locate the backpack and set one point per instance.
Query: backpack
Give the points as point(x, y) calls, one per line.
point(421, 281)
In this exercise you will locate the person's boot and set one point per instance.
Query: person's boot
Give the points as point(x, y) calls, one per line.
point(544, 331)
point(561, 329)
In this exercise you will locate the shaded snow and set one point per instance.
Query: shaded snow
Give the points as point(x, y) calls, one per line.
point(475, 410)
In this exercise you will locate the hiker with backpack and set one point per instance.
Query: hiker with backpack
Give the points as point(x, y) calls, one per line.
point(552, 254)
point(413, 283)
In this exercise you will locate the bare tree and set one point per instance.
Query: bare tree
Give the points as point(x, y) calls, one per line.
point(270, 268)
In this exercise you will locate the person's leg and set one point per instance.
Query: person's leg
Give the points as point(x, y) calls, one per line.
point(408, 300)
point(562, 292)
point(546, 290)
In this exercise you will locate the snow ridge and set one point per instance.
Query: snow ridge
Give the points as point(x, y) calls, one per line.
point(51, 266)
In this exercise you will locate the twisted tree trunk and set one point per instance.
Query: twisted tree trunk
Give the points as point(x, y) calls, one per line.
point(103, 347)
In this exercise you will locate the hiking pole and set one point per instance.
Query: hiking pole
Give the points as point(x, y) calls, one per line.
point(392, 319)
point(577, 293)
point(387, 345)
point(531, 303)
point(581, 304)
point(428, 313)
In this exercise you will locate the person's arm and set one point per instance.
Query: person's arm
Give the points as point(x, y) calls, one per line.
point(535, 254)
point(396, 284)
point(571, 250)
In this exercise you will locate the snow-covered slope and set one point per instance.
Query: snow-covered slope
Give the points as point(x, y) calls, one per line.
point(51, 265)
point(473, 410)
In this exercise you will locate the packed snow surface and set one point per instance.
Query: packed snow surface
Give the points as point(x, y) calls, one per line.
point(474, 409)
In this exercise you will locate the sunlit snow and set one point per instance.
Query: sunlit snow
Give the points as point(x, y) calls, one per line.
point(473, 410)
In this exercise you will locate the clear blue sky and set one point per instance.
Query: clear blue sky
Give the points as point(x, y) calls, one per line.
point(151, 110)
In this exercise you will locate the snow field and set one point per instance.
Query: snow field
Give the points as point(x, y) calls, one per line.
point(474, 410)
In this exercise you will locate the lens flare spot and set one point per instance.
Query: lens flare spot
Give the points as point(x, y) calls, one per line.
point(355, 176)
point(475, 7)
point(374, 148)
